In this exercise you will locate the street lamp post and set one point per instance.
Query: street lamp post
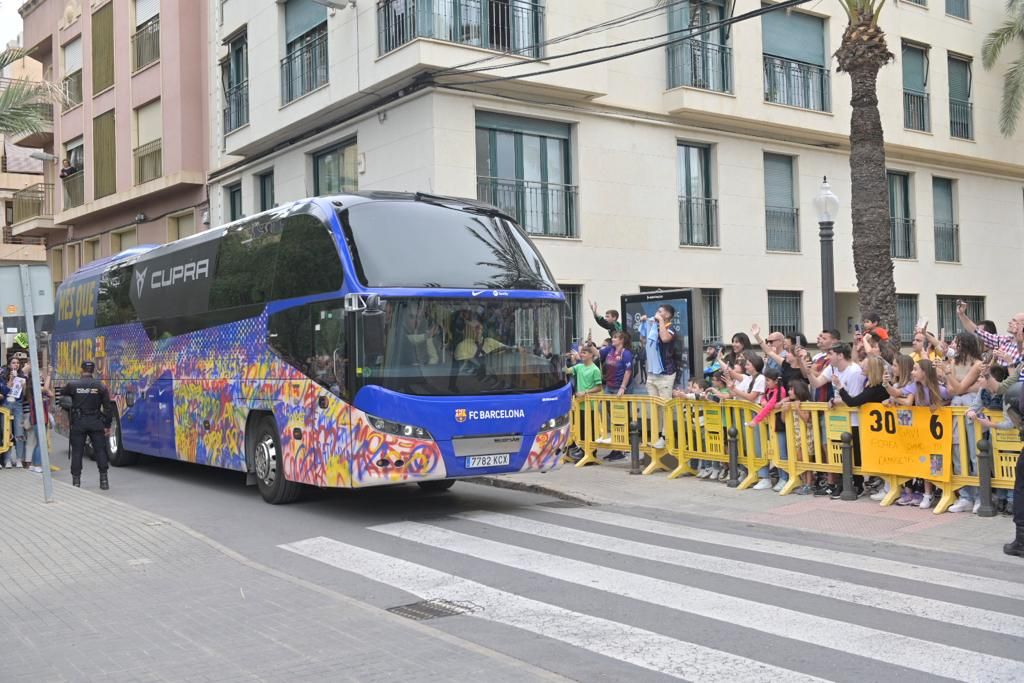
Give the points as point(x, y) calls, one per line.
point(827, 206)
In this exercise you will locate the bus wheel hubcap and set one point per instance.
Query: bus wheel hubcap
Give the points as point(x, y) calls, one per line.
point(112, 439)
point(266, 460)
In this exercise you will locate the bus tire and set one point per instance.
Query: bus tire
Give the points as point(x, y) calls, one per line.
point(116, 453)
point(268, 466)
point(436, 485)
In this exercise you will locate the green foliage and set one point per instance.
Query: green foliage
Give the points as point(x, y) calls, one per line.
point(25, 106)
point(1011, 30)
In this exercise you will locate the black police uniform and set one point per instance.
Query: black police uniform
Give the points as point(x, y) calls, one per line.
point(91, 413)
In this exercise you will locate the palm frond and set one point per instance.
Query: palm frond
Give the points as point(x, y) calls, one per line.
point(10, 56)
point(1013, 98)
point(999, 38)
point(25, 107)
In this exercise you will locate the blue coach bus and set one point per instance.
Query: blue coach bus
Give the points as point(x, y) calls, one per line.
point(347, 341)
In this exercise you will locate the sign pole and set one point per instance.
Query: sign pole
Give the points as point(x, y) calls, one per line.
point(37, 391)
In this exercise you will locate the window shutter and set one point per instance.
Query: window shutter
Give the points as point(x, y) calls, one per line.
point(942, 200)
point(778, 181)
point(146, 10)
point(914, 70)
point(522, 124)
point(103, 48)
point(104, 155)
point(795, 36)
point(73, 56)
point(149, 126)
point(959, 79)
point(302, 16)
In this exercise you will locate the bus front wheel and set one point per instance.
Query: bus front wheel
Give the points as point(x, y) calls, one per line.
point(436, 485)
point(269, 466)
point(116, 453)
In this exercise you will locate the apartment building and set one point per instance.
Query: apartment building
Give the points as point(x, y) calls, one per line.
point(693, 164)
point(133, 126)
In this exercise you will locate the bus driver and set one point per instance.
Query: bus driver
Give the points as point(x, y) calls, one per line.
point(475, 345)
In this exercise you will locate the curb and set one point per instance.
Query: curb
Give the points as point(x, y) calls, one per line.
point(513, 485)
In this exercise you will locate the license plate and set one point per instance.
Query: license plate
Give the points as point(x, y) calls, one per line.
point(487, 460)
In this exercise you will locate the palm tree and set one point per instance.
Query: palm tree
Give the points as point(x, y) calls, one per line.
point(23, 103)
point(862, 54)
point(1013, 80)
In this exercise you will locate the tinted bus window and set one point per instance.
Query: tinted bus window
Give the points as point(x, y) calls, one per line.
point(113, 303)
point(245, 266)
point(307, 259)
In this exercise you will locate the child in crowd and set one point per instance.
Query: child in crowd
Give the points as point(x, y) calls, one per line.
point(774, 395)
point(588, 381)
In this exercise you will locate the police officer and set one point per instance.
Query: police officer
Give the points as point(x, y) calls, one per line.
point(92, 413)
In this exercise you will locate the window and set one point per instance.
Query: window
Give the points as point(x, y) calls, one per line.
point(904, 240)
point(906, 316)
point(72, 82)
point(126, 239)
point(103, 48)
point(947, 232)
point(57, 265)
point(781, 216)
point(307, 259)
point(784, 311)
point(234, 201)
point(711, 303)
point(795, 67)
point(311, 338)
point(523, 168)
point(90, 251)
point(243, 278)
point(948, 319)
point(704, 62)
point(574, 323)
point(265, 185)
point(104, 154)
point(698, 212)
point(148, 152)
point(146, 39)
point(919, 3)
point(916, 110)
point(181, 226)
point(961, 115)
point(73, 254)
point(304, 68)
point(73, 181)
point(8, 213)
point(234, 72)
point(336, 170)
point(960, 9)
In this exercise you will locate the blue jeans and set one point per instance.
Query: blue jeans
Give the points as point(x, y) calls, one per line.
point(765, 471)
point(969, 493)
point(19, 432)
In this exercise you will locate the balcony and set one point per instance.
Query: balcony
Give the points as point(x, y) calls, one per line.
point(696, 64)
point(961, 119)
point(782, 226)
point(796, 84)
point(516, 28)
point(146, 44)
point(698, 222)
point(148, 161)
point(72, 86)
point(236, 106)
point(915, 111)
point(33, 209)
point(74, 190)
point(304, 69)
point(947, 242)
point(21, 249)
point(544, 209)
point(39, 138)
point(901, 233)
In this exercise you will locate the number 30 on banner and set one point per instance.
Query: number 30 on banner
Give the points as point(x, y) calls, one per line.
point(911, 441)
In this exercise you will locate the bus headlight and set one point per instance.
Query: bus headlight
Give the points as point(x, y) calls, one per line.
point(399, 429)
point(555, 423)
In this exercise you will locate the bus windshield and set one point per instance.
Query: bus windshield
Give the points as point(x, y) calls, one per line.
point(443, 347)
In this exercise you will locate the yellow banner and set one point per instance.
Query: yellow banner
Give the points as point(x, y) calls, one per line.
point(907, 441)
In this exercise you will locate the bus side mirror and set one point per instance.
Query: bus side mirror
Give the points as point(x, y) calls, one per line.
point(373, 328)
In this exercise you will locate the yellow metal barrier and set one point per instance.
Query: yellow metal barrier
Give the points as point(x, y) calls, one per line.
point(606, 417)
point(6, 433)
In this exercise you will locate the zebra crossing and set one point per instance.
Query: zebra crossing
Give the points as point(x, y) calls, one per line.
point(753, 617)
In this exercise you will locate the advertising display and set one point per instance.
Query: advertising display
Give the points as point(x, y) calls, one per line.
point(686, 324)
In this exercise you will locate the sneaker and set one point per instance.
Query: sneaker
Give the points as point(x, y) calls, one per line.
point(962, 505)
point(926, 501)
point(724, 476)
point(8, 466)
point(837, 492)
point(804, 490)
point(714, 474)
point(614, 455)
point(659, 444)
point(763, 485)
point(603, 439)
point(977, 506)
point(36, 468)
point(880, 495)
point(703, 473)
point(779, 485)
point(906, 499)
point(826, 489)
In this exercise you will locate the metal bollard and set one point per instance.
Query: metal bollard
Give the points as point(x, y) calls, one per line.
point(634, 447)
point(734, 458)
point(848, 492)
point(985, 479)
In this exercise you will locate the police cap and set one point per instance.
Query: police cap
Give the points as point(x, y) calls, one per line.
point(88, 366)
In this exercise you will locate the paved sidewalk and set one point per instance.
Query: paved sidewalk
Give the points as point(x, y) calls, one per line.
point(611, 484)
point(96, 590)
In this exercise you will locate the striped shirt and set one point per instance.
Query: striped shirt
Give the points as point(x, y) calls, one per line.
point(1003, 342)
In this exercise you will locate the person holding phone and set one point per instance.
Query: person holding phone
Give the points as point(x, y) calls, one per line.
point(1005, 347)
point(13, 380)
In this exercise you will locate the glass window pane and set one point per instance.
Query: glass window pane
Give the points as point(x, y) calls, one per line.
point(483, 152)
point(505, 144)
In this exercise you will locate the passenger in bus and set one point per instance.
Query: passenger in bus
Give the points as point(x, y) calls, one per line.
point(475, 345)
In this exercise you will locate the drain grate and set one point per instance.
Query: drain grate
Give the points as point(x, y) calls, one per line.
point(433, 609)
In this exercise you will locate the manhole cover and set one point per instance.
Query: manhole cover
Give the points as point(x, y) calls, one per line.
point(433, 609)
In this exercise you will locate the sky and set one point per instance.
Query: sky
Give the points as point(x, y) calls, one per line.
point(10, 20)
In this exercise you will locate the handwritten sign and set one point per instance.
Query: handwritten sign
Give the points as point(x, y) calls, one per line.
point(907, 441)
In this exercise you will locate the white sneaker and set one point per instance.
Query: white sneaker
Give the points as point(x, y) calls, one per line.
point(763, 485)
point(962, 505)
point(8, 466)
point(977, 506)
point(779, 485)
point(37, 469)
point(724, 476)
point(659, 444)
point(703, 473)
point(880, 495)
point(714, 474)
point(926, 501)
point(603, 439)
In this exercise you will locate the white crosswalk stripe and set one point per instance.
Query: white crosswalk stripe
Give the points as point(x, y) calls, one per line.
point(973, 643)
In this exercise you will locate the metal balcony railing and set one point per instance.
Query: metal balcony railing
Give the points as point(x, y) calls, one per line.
point(148, 161)
point(922, 3)
point(9, 238)
point(782, 225)
point(74, 190)
point(72, 85)
point(698, 222)
point(961, 119)
point(947, 242)
point(915, 110)
point(236, 106)
point(959, 8)
point(304, 69)
point(904, 243)
point(146, 44)
point(697, 64)
point(516, 27)
point(547, 209)
point(797, 84)
point(35, 201)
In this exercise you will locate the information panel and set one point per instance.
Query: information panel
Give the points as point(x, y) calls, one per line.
point(907, 441)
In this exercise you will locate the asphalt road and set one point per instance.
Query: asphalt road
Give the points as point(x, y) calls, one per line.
point(616, 593)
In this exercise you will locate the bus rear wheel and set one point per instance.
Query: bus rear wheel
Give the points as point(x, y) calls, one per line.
point(269, 466)
point(436, 485)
